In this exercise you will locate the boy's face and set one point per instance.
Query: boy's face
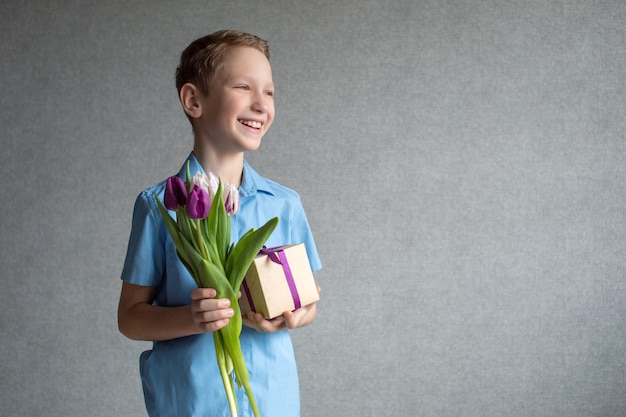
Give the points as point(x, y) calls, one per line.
point(239, 107)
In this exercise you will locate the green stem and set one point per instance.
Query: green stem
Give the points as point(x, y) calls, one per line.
point(250, 395)
point(226, 378)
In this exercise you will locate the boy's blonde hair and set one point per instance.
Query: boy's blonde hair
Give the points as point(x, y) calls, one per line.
point(201, 59)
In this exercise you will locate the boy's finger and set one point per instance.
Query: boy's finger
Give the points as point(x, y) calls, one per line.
point(200, 293)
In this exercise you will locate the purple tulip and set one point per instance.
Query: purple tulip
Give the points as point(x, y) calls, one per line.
point(198, 203)
point(175, 193)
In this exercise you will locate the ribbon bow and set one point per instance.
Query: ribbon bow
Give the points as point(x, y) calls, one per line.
point(271, 253)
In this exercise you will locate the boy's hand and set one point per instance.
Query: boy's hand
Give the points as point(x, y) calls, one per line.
point(258, 322)
point(209, 314)
point(289, 319)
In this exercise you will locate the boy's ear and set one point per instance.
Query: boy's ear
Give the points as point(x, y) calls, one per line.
point(190, 100)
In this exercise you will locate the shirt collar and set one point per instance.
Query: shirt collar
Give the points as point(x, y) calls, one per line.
point(194, 166)
point(252, 180)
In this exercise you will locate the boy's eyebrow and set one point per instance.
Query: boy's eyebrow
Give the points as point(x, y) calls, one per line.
point(246, 78)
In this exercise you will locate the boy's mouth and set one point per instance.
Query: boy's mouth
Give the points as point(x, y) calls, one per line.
point(251, 123)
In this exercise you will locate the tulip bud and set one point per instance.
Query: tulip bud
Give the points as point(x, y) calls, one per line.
point(198, 203)
point(175, 193)
point(231, 199)
point(208, 183)
point(214, 183)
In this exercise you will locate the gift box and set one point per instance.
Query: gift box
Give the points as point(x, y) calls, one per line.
point(278, 280)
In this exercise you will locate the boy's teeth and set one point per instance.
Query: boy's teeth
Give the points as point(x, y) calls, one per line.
point(256, 125)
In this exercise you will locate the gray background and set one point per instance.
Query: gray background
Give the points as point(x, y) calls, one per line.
point(462, 164)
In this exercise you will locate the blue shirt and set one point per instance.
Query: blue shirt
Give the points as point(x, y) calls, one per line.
point(180, 377)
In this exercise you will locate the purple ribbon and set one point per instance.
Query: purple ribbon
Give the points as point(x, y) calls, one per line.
point(281, 259)
point(248, 295)
point(271, 253)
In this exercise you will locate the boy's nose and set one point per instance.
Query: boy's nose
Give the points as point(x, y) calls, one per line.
point(261, 103)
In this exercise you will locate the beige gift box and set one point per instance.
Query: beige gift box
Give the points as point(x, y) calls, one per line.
point(278, 280)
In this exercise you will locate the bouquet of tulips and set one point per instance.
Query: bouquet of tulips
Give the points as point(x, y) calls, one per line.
point(201, 233)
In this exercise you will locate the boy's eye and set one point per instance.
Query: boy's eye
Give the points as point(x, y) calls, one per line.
point(269, 93)
point(242, 87)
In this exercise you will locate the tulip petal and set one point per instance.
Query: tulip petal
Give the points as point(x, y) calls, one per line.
point(198, 203)
point(231, 199)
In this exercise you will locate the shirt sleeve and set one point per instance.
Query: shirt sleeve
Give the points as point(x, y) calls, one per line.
point(145, 257)
point(301, 233)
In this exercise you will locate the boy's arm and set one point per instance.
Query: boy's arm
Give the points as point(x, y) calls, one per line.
point(139, 319)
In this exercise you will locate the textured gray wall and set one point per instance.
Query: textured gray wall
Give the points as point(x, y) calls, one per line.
point(462, 164)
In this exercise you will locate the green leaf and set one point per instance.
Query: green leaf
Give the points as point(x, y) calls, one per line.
point(214, 277)
point(245, 251)
point(175, 233)
point(219, 223)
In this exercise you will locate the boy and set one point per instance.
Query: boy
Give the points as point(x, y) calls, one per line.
point(225, 87)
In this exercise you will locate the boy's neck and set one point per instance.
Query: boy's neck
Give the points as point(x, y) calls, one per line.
point(228, 167)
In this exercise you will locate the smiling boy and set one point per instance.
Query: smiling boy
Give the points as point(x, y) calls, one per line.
point(225, 87)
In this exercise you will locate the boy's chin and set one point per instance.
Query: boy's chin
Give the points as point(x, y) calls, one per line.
point(253, 147)
point(252, 144)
